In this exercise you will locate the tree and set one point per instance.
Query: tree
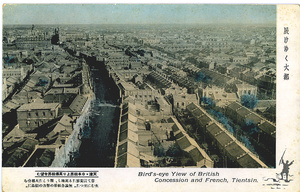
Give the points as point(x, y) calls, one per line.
point(250, 127)
point(199, 76)
point(42, 82)
point(159, 150)
point(222, 119)
point(208, 101)
point(247, 143)
point(202, 77)
point(249, 101)
point(173, 150)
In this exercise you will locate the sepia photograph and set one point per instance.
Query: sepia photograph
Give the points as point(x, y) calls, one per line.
point(141, 91)
point(143, 86)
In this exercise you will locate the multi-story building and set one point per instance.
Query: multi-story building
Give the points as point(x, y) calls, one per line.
point(182, 100)
point(243, 89)
point(33, 115)
point(19, 73)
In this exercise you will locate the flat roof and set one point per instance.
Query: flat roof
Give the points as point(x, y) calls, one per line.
point(128, 86)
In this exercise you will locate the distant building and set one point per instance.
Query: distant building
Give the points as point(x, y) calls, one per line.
point(219, 95)
point(211, 66)
point(221, 69)
point(241, 60)
point(266, 82)
point(243, 89)
point(175, 90)
point(160, 80)
point(14, 136)
point(184, 82)
point(142, 95)
point(248, 76)
point(60, 95)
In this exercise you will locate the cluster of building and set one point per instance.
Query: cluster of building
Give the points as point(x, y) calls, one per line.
point(235, 153)
point(163, 77)
point(150, 136)
point(45, 95)
point(267, 130)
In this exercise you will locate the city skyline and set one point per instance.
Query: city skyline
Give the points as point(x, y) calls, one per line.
point(15, 14)
point(139, 96)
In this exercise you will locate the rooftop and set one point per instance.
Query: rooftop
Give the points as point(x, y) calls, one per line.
point(245, 86)
point(38, 106)
point(243, 111)
point(268, 128)
point(234, 106)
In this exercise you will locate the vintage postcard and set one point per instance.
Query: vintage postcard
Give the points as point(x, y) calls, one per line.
point(150, 97)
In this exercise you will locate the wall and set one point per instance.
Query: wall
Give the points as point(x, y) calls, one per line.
point(29, 120)
point(62, 155)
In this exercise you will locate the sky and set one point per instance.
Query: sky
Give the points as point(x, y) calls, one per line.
point(137, 14)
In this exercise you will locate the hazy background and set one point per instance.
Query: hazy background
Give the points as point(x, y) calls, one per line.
point(137, 14)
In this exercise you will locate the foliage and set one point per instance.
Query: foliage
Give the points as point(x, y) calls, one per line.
point(42, 82)
point(159, 150)
point(9, 59)
point(247, 143)
point(173, 151)
point(250, 127)
point(249, 101)
point(222, 119)
point(201, 77)
point(208, 101)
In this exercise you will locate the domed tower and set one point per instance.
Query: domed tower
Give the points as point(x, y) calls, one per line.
point(56, 31)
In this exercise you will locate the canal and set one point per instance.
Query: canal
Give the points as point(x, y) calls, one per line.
point(98, 149)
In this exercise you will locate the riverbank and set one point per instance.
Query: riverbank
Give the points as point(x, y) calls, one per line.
point(64, 155)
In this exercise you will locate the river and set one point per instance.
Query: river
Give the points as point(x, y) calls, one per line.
point(99, 149)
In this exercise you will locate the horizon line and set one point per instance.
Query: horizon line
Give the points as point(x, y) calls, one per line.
point(270, 23)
